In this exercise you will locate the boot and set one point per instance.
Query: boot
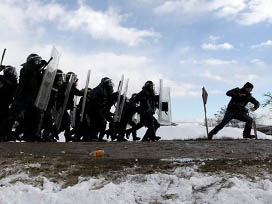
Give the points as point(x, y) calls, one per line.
point(135, 138)
point(249, 136)
point(128, 133)
point(156, 138)
point(146, 139)
point(210, 136)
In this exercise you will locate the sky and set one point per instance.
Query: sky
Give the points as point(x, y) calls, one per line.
point(219, 44)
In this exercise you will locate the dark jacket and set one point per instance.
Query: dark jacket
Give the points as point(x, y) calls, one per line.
point(8, 87)
point(238, 103)
point(29, 85)
point(100, 96)
point(148, 101)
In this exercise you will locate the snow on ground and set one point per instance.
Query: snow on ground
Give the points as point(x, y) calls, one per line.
point(189, 131)
point(185, 185)
point(193, 131)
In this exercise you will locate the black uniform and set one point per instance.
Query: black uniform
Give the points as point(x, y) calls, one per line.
point(8, 85)
point(237, 110)
point(130, 109)
point(98, 109)
point(23, 107)
point(148, 103)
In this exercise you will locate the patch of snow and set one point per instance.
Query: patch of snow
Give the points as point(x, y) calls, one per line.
point(183, 160)
point(34, 165)
point(185, 185)
point(193, 131)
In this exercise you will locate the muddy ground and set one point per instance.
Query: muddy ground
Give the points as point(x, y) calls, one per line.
point(69, 161)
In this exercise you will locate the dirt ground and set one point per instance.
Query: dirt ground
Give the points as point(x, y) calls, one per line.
point(69, 161)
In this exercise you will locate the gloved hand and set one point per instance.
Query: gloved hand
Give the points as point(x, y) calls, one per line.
point(43, 62)
point(2, 67)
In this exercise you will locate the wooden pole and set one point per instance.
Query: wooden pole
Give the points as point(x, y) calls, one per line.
point(206, 121)
point(255, 129)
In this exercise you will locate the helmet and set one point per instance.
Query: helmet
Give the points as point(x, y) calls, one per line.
point(34, 59)
point(59, 76)
point(10, 71)
point(59, 71)
point(149, 84)
point(106, 82)
point(69, 74)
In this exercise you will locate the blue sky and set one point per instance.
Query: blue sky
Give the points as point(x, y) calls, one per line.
point(219, 44)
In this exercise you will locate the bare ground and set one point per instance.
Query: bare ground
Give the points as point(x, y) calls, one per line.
point(66, 162)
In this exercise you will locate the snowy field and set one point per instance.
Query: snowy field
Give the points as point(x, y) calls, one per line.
point(193, 131)
point(184, 185)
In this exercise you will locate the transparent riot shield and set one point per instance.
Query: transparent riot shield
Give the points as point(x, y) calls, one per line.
point(85, 96)
point(121, 108)
point(48, 80)
point(73, 113)
point(62, 109)
point(165, 114)
point(119, 90)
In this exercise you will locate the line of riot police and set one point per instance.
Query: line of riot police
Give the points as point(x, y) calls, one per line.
point(21, 119)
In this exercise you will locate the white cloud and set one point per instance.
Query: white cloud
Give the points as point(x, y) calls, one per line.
point(263, 44)
point(211, 46)
point(220, 7)
point(214, 92)
point(246, 77)
point(218, 62)
point(211, 62)
point(104, 25)
point(257, 62)
point(257, 11)
point(246, 12)
point(20, 15)
point(184, 90)
point(213, 38)
point(138, 68)
point(211, 76)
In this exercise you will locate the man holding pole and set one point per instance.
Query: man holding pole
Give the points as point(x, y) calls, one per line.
point(237, 110)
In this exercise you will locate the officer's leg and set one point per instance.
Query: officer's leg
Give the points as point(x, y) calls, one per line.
point(6, 126)
point(245, 118)
point(227, 118)
point(33, 120)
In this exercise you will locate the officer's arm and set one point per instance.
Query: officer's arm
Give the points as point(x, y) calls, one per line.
point(255, 102)
point(233, 92)
point(25, 79)
point(77, 92)
point(138, 97)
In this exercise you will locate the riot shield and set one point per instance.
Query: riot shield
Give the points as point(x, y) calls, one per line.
point(120, 112)
point(73, 113)
point(119, 91)
point(165, 114)
point(62, 109)
point(48, 80)
point(85, 96)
